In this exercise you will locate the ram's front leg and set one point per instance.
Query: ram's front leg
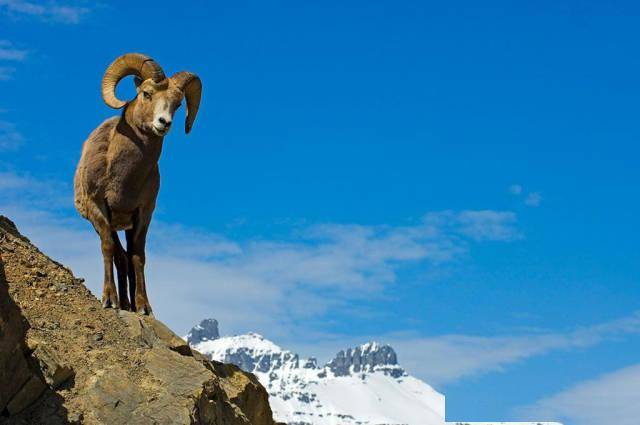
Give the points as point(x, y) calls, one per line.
point(109, 292)
point(136, 240)
point(98, 217)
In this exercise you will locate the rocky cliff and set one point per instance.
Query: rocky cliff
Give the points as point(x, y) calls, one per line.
point(64, 359)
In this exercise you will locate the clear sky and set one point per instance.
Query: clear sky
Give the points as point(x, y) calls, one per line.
point(459, 179)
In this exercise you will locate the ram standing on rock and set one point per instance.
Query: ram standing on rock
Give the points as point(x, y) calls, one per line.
point(117, 179)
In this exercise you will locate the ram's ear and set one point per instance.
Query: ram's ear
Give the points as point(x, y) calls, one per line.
point(137, 81)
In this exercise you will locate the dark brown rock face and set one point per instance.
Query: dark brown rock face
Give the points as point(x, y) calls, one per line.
point(64, 359)
point(20, 384)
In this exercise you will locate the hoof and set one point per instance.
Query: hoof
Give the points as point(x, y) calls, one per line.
point(110, 302)
point(124, 305)
point(142, 306)
point(145, 311)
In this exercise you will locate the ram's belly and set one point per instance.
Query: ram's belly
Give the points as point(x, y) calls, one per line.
point(121, 221)
point(122, 210)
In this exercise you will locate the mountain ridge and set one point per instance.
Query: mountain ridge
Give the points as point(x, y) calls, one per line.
point(362, 385)
point(365, 357)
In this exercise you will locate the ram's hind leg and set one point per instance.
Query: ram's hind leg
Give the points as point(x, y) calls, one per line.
point(121, 262)
point(132, 281)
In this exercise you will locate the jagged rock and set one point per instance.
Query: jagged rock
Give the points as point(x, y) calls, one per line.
point(311, 363)
point(207, 330)
point(151, 332)
point(54, 370)
point(29, 393)
point(64, 359)
point(15, 372)
point(241, 388)
point(367, 357)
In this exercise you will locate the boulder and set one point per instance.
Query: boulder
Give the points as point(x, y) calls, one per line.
point(65, 359)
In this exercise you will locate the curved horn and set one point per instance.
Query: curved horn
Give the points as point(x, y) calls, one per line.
point(128, 64)
point(191, 86)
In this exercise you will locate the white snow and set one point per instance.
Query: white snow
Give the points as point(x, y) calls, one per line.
point(302, 393)
point(315, 396)
point(217, 348)
point(372, 398)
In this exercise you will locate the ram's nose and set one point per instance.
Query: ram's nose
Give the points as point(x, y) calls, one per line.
point(164, 122)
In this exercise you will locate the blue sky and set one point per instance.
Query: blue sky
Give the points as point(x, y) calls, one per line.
point(457, 179)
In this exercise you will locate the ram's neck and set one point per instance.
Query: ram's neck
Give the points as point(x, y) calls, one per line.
point(148, 143)
point(131, 166)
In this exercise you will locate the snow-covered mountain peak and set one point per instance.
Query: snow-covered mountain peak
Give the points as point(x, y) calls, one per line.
point(364, 385)
point(360, 386)
point(253, 341)
point(207, 330)
point(251, 351)
point(368, 357)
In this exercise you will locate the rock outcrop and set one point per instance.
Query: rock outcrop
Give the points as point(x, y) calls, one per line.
point(207, 330)
point(366, 358)
point(64, 359)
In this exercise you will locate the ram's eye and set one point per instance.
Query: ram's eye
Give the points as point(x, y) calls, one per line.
point(146, 95)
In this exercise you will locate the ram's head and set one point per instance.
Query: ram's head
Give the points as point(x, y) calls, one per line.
point(158, 97)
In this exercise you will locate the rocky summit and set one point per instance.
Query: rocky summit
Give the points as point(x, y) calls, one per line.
point(65, 359)
point(207, 330)
point(366, 358)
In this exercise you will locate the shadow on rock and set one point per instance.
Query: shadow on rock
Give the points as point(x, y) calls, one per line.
point(25, 394)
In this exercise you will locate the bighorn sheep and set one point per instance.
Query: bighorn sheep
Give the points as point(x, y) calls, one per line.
point(117, 179)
